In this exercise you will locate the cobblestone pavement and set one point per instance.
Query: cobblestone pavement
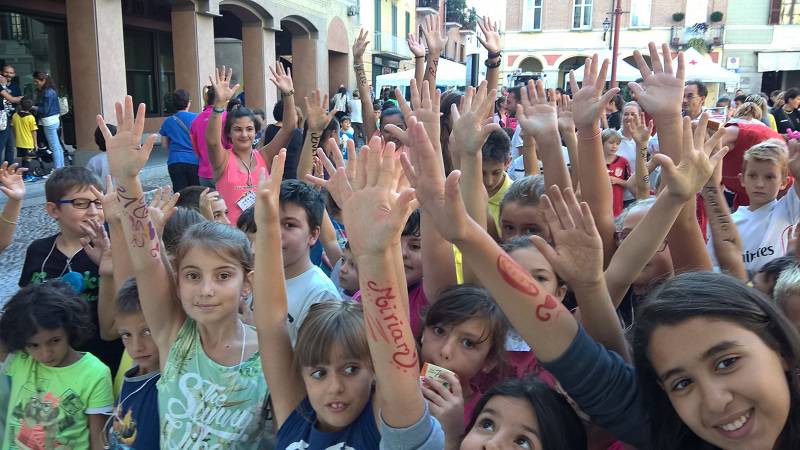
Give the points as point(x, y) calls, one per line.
point(34, 223)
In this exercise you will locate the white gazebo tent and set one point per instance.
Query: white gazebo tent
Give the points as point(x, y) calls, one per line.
point(698, 67)
point(448, 74)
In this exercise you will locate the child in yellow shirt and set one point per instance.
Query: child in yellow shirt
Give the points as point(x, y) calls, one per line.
point(25, 134)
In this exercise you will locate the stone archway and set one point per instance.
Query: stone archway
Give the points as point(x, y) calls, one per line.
point(338, 55)
point(304, 54)
point(530, 64)
point(571, 63)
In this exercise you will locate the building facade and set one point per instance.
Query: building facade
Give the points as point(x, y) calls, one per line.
point(388, 22)
point(548, 38)
point(99, 50)
point(762, 43)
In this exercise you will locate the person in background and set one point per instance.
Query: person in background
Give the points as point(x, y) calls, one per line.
point(295, 145)
point(182, 162)
point(766, 116)
point(787, 115)
point(198, 132)
point(776, 98)
point(694, 96)
point(357, 119)
point(340, 102)
point(261, 116)
point(10, 95)
point(49, 116)
point(614, 112)
point(738, 100)
point(725, 102)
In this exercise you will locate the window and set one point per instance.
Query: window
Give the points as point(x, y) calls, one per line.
point(408, 23)
point(149, 68)
point(377, 16)
point(582, 15)
point(640, 13)
point(532, 15)
point(394, 20)
point(789, 12)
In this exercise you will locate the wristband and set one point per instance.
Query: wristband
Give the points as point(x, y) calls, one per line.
point(493, 65)
point(10, 222)
point(494, 55)
point(287, 94)
point(218, 110)
point(358, 66)
point(593, 136)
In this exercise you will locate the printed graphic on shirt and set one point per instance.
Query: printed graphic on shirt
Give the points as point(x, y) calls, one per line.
point(122, 434)
point(89, 283)
point(39, 421)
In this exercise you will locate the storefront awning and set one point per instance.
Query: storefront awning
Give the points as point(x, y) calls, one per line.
point(771, 61)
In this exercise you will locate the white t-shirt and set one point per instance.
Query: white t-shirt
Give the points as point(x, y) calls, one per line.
point(302, 291)
point(355, 111)
point(516, 169)
point(765, 232)
point(516, 141)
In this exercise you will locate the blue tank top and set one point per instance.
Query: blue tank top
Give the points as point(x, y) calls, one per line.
point(299, 432)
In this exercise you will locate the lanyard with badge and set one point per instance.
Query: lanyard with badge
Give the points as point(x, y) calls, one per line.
point(247, 199)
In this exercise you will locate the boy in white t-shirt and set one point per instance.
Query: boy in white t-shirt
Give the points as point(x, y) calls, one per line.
point(765, 225)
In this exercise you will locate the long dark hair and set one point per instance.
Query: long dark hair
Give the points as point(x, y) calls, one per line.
point(48, 80)
point(714, 296)
point(559, 426)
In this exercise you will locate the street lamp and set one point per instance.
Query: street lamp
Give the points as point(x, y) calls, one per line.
point(606, 27)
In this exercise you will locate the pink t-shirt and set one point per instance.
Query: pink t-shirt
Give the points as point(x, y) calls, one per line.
point(198, 133)
point(235, 182)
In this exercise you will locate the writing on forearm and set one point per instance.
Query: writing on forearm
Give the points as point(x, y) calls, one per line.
point(519, 279)
point(544, 311)
point(361, 76)
point(142, 229)
point(433, 65)
point(719, 215)
point(387, 327)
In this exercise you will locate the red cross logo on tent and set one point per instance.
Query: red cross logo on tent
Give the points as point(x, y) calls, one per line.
point(693, 62)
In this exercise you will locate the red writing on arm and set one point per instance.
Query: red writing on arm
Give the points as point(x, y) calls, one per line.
point(516, 276)
point(386, 326)
point(544, 311)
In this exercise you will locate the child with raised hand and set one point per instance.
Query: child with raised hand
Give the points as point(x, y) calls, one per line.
point(60, 397)
point(13, 186)
point(235, 170)
point(210, 365)
point(332, 401)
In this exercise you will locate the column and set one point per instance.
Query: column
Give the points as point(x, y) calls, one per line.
point(193, 50)
point(258, 52)
point(309, 60)
point(97, 63)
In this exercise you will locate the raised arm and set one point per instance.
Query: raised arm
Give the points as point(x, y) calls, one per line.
point(566, 126)
point(374, 216)
point(491, 42)
point(270, 307)
point(682, 182)
point(359, 46)
point(12, 185)
point(641, 134)
point(418, 50)
point(536, 114)
point(431, 30)
point(587, 107)
point(217, 155)
point(283, 81)
point(126, 158)
point(318, 119)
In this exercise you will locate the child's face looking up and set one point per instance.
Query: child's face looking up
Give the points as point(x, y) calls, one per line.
point(504, 422)
point(762, 180)
point(518, 219)
point(412, 258)
point(49, 347)
point(462, 348)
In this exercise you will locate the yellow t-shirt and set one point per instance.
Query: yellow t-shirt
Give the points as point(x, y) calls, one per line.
point(494, 210)
point(24, 127)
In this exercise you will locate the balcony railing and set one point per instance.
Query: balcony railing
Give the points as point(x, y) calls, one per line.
point(428, 6)
point(389, 44)
point(697, 35)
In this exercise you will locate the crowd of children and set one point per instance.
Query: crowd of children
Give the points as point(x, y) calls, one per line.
point(452, 284)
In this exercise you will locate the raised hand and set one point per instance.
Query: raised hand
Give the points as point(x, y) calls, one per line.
point(566, 122)
point(424, 107)
point(416, 46)
point(111, 208)
point(535, 112)
point(696, 167)
point(439, 197)
point(281, 78)
point(126, 154)
point(360, 45)
point(162, 206)
point(433, 36)
point(640, 130)
point(221, 80)
point(469, 124)
point(491, 35)
point(11, 183)
point(589, 102)
point(661, 92)
point(96, 243)
point(206, 203)
point(794, 157)
point(318, 116)
point(268, 192)
point(374, 213)
point(340, 182)
point(577, 255)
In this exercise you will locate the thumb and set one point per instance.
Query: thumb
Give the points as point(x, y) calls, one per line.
point(636, 89)
point(666, 163)
point(488, 129)
point(609, 94)
point(545, 249)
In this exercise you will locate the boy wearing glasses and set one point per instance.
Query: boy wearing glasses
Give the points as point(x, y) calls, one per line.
point(63, 257)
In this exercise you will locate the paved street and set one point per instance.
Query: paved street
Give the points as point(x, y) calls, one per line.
point(34, 223)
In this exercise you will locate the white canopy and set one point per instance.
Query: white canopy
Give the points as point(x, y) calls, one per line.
point(700, 68)
point(625, 71)
point(448, 73)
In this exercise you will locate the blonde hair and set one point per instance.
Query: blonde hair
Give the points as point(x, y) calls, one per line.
point(787, 285)
point(749, 110)
point(770, 150)
point(327, 324)
point(610, 133)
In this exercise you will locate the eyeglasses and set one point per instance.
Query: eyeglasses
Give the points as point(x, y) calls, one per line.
point(82, 203)
point(621, 235)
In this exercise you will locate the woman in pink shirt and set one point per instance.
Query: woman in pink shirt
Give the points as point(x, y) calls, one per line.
point(236, 170)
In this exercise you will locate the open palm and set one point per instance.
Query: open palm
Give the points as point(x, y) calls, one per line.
point(661, 92)
point(126, 154)
point(589, 102)
point(535, 112)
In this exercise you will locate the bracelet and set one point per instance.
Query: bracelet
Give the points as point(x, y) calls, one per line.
point(493, 65)
point(592, 137)
point(419, 57)
point(10, 222)
point(494, 55)
point(358, 66)
point(218, 110)
point(287, 94)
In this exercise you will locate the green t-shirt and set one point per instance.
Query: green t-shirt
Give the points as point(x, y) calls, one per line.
point(49, 405)
point(203, 404)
